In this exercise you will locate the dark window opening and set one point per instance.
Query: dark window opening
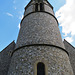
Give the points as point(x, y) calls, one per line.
point(36, 7)
point(41, 7)
point(40, 69)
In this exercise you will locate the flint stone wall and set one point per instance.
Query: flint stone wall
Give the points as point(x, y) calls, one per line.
point(39, 28)
point(71, 50)
point(5, 58)
point(31, 8)
point(56, 61)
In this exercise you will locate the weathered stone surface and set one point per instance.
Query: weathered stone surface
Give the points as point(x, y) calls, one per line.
point(24, 61)
point(48, 9)
point(31, 8)
point(5, 58)
point(39, 40)
point(39, 28)
point(71, 50)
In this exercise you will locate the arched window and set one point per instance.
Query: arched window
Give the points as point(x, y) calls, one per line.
point(40, 69)
point(41, 7)
point(36, 7)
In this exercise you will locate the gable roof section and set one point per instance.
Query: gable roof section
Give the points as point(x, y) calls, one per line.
point(66, 42)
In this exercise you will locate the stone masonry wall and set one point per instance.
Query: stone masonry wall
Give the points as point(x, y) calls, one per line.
point(31, 8)
point(39, 28)
point(5, 58)
point(71, 50)
point(24, 61)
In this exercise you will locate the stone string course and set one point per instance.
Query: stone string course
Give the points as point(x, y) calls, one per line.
point(36, 28)
point(23, 61)
point(39, 28)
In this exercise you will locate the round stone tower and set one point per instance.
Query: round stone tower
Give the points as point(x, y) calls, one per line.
point(39, 49)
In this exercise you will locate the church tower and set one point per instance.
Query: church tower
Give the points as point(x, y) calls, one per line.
point(39, 49)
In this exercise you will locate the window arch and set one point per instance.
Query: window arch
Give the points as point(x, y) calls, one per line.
point(39, 7)
point(36, 7)
point(40, 69)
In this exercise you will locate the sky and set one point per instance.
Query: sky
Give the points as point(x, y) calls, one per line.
point(11, 13)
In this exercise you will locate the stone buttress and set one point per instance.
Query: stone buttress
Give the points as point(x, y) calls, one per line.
point(39, 43)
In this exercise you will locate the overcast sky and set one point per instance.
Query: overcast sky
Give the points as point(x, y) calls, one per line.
point(11, 13)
